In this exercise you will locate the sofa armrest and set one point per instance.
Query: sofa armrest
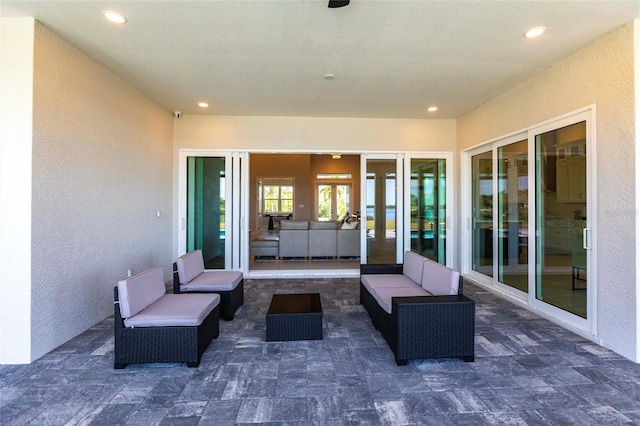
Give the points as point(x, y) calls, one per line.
point(433, 327)
point(380, 269)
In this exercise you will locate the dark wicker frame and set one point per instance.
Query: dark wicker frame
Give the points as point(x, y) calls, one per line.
point(230, 300)
point(162, 344)
point(422, 327)
point(285, 326)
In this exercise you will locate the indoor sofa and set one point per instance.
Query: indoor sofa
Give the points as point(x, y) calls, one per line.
point(314, 238)
point(419, 308)
point(151, 326)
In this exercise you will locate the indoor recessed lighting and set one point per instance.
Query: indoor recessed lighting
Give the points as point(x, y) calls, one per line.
point(432, 109)
point(336, 156)
point(329, 76)
point(203, 104)
point(114, 17)
point(535, 32)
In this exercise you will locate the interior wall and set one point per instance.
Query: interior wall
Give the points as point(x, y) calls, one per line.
point(16, 116)
point(601, 74)
point(102, 168)
point(296, 166)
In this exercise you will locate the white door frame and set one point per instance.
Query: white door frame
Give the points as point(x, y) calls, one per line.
point(231, 226)
point(585, 327)
point(450, 184)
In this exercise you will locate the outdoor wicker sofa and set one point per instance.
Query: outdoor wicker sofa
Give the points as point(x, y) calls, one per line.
point(419, 308)
point(189, 276)
point(151, 326)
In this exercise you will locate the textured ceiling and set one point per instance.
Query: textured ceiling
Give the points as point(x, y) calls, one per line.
point(391, 58)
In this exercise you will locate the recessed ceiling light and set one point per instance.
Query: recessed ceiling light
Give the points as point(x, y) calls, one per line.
point(432, 109)
point(336, 156)
point(114, 17)
point(329, 76)
point(535, 32)
point(203, 104)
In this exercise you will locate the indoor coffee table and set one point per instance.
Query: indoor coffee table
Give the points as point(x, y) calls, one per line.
point(294, 317)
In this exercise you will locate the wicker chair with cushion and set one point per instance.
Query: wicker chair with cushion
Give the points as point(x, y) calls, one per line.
point(189, 276)
point(151, 326)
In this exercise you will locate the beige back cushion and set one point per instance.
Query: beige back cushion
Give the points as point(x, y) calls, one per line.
point(140, 290)
point(412, 266)
point(190, 265)
point(294, 224)
point(317, 224)
point(439, 280)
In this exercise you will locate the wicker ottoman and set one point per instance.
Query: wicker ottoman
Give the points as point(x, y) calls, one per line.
point(294, 317)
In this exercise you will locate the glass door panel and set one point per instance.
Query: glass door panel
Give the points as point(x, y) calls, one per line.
point(205, 219)
point(333, 201)
point(513, 215)
point(482, 212)
point(561, 215)
point(428, 208)
point(381, 210)
point(343, 202)
point(324, 202)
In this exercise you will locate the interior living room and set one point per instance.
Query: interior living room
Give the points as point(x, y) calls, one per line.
point(304, 187)
point(99, 121)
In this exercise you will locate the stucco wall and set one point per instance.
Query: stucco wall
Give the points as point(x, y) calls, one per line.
point(601, 74)
point(101, 168)
point(16, 116)
point(308, 134)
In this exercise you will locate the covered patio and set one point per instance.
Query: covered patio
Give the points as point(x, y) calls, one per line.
point(528, 370)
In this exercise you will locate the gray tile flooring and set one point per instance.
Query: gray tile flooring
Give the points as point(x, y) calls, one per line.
point(527, 371)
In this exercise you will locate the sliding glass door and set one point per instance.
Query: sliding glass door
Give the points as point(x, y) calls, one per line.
point(210, 208)
point(482, 212)
point(428, 206)
point(562, 277)
point(535, 244)
point(381, 217)
point(512, 215)
point(206, 220)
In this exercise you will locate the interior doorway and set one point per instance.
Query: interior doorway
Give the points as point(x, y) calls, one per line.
point(287, 187)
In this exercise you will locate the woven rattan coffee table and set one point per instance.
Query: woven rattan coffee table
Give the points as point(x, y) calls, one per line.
point(294, 317)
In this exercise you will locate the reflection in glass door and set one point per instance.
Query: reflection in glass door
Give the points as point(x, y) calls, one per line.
point(205, 221)
point(381, 210)
point(428, 208)
point(561, 217)
point(513, 211)
point(482, 212)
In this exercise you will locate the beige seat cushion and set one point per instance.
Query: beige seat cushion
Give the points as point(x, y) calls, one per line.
point(383, 295)
point(374, 281)
point(214, 281)
point(175, 310)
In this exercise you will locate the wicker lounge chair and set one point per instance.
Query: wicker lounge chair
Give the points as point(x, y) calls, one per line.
point(189, 276)
point(151, 326)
